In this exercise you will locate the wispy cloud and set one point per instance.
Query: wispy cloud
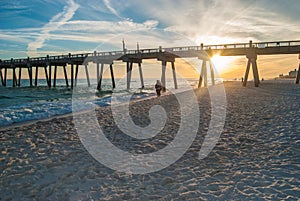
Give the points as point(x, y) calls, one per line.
point(72, 31)
point(214, 21)
point(111, 9)
point(56, 22)
point(107, 26)
point(158, 21)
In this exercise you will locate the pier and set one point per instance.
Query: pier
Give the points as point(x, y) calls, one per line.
point(135, 57)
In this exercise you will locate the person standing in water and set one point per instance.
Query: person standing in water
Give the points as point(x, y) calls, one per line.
point(158, 88)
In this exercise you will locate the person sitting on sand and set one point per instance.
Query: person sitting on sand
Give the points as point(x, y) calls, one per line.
point(158, 87)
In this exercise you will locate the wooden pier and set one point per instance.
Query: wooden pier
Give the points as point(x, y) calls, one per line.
point(135, 57)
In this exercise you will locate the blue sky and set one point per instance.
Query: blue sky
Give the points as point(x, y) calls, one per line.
point(41, 27)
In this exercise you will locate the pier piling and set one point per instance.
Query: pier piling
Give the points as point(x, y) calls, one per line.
point(29, 69)
point(47, 77)
point(54, 76)
point(174, 75)
point(203, 74)
point(87, 75)
point(20, 74)
point(129, 70)
point(36, 76)
point(100, 75)
point(66, 75)
point(163, 74)
point(298, 74)
point(252, 61)
point(2, 78)
point(5, 76)
point(247, 73)
point(76, 73)
point(212, 72)
point(14, 77)
point(72, 76)
point(252, 57)
point(112, 76)
point(50, 74)
point(141, 75)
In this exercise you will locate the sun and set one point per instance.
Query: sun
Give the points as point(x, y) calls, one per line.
point(221, 63)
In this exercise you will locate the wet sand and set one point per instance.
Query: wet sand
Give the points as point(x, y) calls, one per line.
point(256, 158)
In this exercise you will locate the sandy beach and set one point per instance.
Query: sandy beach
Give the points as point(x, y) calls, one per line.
point(256, 158)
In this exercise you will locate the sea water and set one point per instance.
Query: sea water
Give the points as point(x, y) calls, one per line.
point(22, 104)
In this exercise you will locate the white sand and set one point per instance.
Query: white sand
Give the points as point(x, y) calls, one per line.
point(258, 155)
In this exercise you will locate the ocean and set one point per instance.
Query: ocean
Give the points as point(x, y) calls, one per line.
point(22, 104)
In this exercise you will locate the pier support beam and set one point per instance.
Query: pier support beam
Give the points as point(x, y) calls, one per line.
point(112, 76)
point(163, 74)
point(298, 74)
point(50, 74)
point(129, 66)
point(76, 74)
point(255, 73)
point(165, 57)
point(72, 76)
point(141, 75)
point(98, 69)
point(174, 75)
point(29, 69)
point(14, 77)
point(66, 75)
point(36, 75)
point(54, 76)
point(99, 75)
point(5, 76)
point(2, 78)
point(247, 73)
point(212, 72)
point(129, 70)
point(87, 75)
point(100, 72)
point(20, 74)
point(47, 77)
point(203, 74)
point(252, 57)
point(252, 61)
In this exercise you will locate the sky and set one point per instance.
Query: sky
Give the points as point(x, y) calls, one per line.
point(40, 27)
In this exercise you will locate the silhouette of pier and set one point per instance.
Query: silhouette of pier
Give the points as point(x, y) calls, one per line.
point(164, 55)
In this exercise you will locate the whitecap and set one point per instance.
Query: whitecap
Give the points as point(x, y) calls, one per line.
point(28, 110)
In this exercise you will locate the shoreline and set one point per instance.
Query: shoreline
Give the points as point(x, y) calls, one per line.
point(30, 122)
point(68, 115)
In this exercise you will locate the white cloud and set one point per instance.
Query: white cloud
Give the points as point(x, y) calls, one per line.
point(111, 9)
point(73, 30)
point(106, 26)
point(231, 21)
point(200, 21)
point(105, 35)
point(57, 21)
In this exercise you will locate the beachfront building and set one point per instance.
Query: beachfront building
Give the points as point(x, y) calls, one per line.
point(293, 74)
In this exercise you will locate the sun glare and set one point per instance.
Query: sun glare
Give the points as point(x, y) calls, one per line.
point(221, 63)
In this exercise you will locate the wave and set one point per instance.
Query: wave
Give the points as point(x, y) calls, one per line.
point(34, 103)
